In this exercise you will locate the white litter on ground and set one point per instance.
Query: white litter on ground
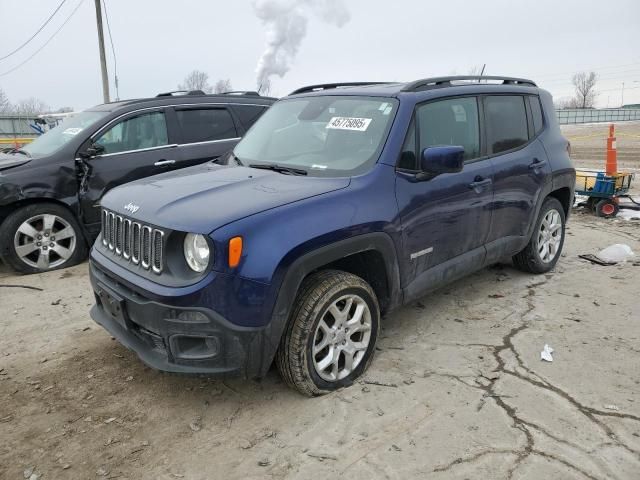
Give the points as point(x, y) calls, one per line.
point(616, 253)
point(546, 352)
point(627, 214)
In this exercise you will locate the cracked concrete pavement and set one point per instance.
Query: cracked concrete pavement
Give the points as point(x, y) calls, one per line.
point(457, 388)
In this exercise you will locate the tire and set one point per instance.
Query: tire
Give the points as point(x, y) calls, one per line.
point(22, 228)
point(531, 259)
point(319, 295)
point(606, 208)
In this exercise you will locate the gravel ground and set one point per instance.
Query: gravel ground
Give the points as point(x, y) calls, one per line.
point(457, 388)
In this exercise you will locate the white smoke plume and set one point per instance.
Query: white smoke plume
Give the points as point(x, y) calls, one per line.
point(285, 23)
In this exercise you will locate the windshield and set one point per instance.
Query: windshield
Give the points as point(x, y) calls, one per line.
point(325, 136)
point(57, 137)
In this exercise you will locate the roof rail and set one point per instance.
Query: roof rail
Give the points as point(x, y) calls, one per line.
point(328, 86)
point(181, 92)
point(438, 82)
point(242, 92)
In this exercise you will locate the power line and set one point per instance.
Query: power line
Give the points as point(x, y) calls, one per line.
point(37, 31)
point(561, 74)
point(46, 43)
point(623, 75)
point(113, 50)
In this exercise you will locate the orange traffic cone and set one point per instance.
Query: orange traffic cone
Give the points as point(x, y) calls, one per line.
point(612, 154)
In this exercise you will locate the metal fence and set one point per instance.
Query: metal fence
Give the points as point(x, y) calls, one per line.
point(605, 115)
point(19, 126)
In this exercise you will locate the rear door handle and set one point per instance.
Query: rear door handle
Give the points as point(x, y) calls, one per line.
point(480, 183)
point(537, 164)
point(162, 163)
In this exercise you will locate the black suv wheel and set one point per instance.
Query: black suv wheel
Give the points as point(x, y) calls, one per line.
point(332, 333)
point(545, 246)
point(41, 237)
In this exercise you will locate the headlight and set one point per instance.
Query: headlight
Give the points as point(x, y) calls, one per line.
point(196, 251)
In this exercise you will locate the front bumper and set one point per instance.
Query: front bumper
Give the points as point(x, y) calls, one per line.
point(177, 338)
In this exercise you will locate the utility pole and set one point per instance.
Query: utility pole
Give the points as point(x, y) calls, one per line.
point(622, 96)
point(103, 58)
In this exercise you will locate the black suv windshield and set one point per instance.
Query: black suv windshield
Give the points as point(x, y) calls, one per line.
point(325, 135)
point(58, 136)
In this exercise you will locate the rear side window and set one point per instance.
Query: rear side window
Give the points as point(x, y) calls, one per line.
point(248, 114)
point(135, 133)
point(536, 113)
point(205, 125)
point(450, 122)
point(506, 120)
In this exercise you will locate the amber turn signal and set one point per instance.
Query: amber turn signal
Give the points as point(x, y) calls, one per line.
point(235, 251)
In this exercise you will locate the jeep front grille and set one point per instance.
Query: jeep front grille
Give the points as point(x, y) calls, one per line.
point(136, 242)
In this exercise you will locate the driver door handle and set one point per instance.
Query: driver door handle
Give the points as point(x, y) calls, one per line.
point(162, 163)
point(480, 183)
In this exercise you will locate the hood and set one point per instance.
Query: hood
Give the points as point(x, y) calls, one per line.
point(203, 198)
point(10, 160)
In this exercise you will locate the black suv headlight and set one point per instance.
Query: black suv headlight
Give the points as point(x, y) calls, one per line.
point(196, 252)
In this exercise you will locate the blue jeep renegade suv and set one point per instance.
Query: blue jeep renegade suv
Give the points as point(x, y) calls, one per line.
point(343, 202)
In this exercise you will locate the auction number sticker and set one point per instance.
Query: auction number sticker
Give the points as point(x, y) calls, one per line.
point(349, 123)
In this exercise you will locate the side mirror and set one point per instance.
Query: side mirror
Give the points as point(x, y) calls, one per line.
point(445, 159)
point(93, 151)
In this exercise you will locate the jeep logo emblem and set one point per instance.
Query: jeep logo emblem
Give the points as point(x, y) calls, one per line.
point(130, 207)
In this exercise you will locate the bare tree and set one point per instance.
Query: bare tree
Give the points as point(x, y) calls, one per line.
point(476, 70)
point(5, 104)
point(196, 80)
point(30, 106)
point(585, 85)
point(222, 86)
point(563, 103)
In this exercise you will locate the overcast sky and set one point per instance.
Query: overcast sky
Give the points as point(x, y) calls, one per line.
point(157, 42)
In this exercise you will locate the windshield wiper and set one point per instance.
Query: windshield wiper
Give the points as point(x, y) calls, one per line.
point(235, 157)
point(279, 168)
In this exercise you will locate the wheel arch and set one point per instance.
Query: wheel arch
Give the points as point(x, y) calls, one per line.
point(368, 256)
point(564, 196)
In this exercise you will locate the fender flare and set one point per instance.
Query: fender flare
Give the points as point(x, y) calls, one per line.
point(313, 260)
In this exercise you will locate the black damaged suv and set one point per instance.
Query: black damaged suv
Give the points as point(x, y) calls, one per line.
point(50, 189)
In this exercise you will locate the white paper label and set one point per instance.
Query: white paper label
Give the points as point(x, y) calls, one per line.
point(349, 123)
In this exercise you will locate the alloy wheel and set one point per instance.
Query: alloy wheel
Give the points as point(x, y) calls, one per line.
point(341, 338)
point(550, 236)
point(45, 241)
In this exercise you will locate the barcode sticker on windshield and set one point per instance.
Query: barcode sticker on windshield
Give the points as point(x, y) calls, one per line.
point(349, 123)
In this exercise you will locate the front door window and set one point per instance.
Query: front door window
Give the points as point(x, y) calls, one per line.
point(148, 130)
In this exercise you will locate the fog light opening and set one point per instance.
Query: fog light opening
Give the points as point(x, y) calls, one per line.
point(189, 347)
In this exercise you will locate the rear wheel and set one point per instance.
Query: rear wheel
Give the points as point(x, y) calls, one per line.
point(332, 333)
point(606, 208)
point(41, 237)
point(545, 246)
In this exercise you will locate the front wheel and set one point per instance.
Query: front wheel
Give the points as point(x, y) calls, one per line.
point(545, 246)
point(331, 335)
point(41, 237)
